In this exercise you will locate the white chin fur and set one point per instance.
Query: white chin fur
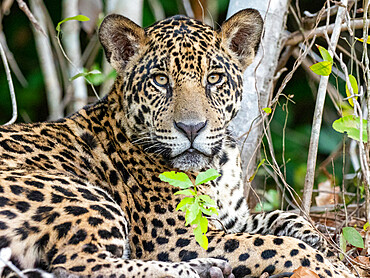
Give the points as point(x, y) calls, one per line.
point(190, 162)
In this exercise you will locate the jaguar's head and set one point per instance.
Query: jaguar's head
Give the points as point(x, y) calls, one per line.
point(180, 82)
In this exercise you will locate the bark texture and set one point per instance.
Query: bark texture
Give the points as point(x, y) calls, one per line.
point(258, 77)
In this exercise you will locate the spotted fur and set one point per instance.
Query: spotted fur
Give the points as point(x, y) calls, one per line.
point(81, 197)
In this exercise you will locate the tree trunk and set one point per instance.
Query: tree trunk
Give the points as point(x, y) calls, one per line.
point(47, 63)
point(258, 78)
point(71, 41)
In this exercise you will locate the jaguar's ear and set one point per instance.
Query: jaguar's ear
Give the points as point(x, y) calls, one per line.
point(241, 33)
point(121, 39)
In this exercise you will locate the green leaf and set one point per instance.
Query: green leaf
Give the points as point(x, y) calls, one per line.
point(325, 54)
point(203, 223)
point(322, 68)
point(366, 226)
point(192, 213)
point(351, 125)
point(255, 172)
point(209, 211)
point(77, 17)
point(362, 40)
point(184, 203)
point(207, 200)
point(343, 246)
point(176, 179)
point(200, 237)
point(187, 192)
point(353, 237)
point(354, 86)
point(267, 110)
point(84, 74)
point(206, 176)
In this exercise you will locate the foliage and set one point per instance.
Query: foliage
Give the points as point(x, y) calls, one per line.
point(353, 84)
point(196, 205)
point(255, 172)
point(77, 17)
point(351, 125)
point(271, 201)
point(353, 237)
point(267, 110)
point(324, 67)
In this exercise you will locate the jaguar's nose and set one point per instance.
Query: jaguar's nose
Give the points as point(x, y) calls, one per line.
point(191, 131)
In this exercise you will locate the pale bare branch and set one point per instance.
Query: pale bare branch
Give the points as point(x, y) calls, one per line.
point(71, 41)
point(297, 36)
point(11, 87)
point(49, 71)
point(23, 6)
point(316, 125)
point(12, 62)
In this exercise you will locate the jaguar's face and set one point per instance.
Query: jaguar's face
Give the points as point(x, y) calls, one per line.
point(182, 84)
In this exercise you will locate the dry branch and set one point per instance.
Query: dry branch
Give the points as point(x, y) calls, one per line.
point(316, 125)
point(11, 87)
point(46, 57)
point(297, 36)
point(23, 6)
point(12, 62)
point(365, 157)
point(71, 40)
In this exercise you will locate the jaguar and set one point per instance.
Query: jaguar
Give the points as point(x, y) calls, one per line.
point(81, 196)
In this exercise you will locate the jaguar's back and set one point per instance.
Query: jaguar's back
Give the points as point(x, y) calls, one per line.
point(81, 196)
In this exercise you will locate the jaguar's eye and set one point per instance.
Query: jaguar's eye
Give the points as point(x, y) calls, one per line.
point(214, 78)
point(161, 80)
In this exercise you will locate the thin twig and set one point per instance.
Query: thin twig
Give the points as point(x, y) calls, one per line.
point(13, 268)
point(297, 37)
point(6, 5)
point(332, 91)
point(69, 60)
point(316, 125)
point(11, 87)
point(12, 62)
point(23, 6)
point(365, 157)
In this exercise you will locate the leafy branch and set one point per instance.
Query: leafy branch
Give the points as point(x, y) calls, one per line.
point(80, 74)
point(196, 205)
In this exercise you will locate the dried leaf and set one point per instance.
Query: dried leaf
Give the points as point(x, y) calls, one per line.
point(303, 272)
point(363, 266)
point(363, 260)
point(325, 197)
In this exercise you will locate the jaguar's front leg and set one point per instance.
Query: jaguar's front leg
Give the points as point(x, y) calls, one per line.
point(234, 214)
point(285, 224)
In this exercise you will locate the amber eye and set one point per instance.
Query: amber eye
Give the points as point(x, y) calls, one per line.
point(161, 80)
point(214, 78)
